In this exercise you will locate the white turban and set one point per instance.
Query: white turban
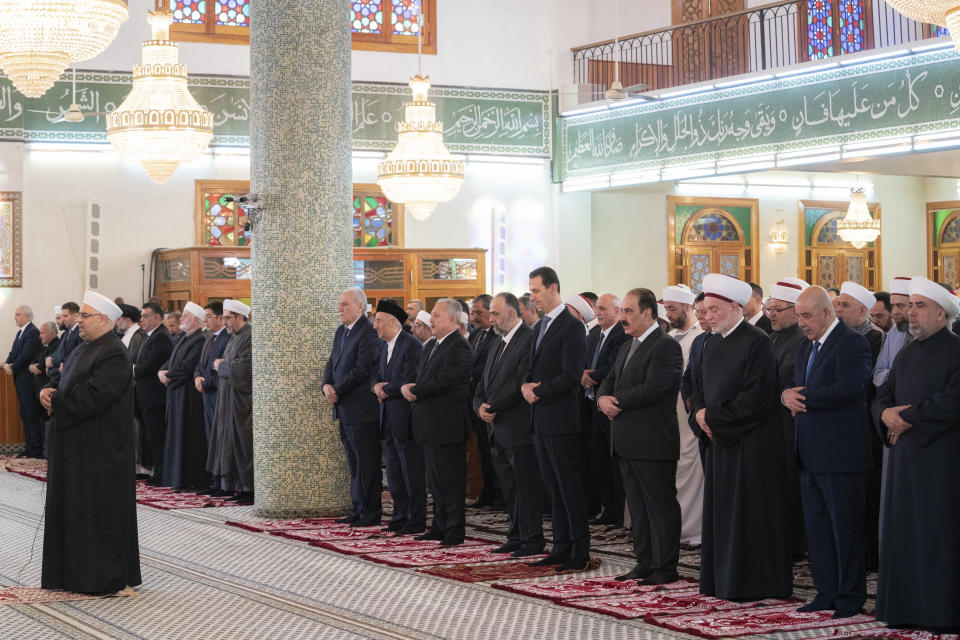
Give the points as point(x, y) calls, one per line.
point(859, 293)
point(235, 306)
point(57, 309)
point(900, 286)
point(464, 317)
point(103, 304)
point(725, 288)
point(580, 303)
point(679, 293)
point(194, 309)
point(920, 286)
point(788, 290)
point(661, 311)
point(424, 317)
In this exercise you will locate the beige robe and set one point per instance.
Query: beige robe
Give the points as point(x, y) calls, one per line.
point(689, 469)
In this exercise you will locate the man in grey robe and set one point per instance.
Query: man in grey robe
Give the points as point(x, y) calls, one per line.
point(231, 446)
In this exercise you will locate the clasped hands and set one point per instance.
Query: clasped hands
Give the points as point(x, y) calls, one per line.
point(609, 406)
point(46, 399)
point(330, 393)
point(702, 422)
point(896, 425)
point(485, 414)
point(527, 390)
point(162, 374)
point(793, 400)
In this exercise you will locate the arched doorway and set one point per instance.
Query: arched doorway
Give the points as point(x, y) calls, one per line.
point(826, 259)
point(943, 242)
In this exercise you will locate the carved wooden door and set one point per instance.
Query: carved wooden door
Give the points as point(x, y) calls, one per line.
point(716, 48)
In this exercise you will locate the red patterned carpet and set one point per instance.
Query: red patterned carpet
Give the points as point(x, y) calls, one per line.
point(752, 621)
point(30, 595)
point(588, 588)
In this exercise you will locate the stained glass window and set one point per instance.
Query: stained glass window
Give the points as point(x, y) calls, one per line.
point(941, 31)
point(819, 29)
point(406, 17)
point(853, 25)
point(367, 16)
point(699, 267)
point(713, 228)
point(951, 231)
point(189, 11)
point(232, 13)
point(372, 221)
point(223, 220)
point(828, 233)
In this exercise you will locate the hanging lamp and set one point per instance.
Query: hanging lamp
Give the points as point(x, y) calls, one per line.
point(858, 227)
point(943, 13)
point(40, 38)
point(159, 124)
point(420, 173)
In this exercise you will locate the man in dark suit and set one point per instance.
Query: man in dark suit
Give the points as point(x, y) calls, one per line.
point(26, 346)
point(480, 341)
point(205, 376)
point(500, 405)
point(753, 310)
point(347, 381)
point(70, 340)
point(831, 374)
point(403, 456)
point(603, 343)
point(440, 420)
point(50, 340)
point(150, 393)
point(639, 398)
point(552, 388)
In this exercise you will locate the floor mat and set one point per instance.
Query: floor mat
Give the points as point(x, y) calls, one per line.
point(490, 571)
point(331, 533)
point(658, 603)
point(568, 588)
point(298, 524)
point(752, 621)
point(388, 545)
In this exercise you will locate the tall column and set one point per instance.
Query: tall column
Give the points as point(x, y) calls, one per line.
point(300, 165)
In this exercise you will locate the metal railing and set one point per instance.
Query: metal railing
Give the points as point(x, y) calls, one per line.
point(767, 37)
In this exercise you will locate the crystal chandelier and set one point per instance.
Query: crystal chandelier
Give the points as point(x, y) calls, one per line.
point(858, 227)
point(159, 124)
point(40, 38)
point(420, 173)
point(944, 13)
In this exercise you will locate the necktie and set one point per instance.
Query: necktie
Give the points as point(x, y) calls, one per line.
point(543, 329)
point(500, 350)
point(813, 357)
point(634, 345)
point(592, 391)
point(206, 347)
point(17, 339)
point(481, 340)
point(343, 340)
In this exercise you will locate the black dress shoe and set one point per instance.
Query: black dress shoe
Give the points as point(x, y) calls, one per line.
point(604, 518)
point(430, 535)
point(480, 504)
point(451, 540)
point(244, 497)
point(818, 604)
point(412, 530)
point(143, 476)
point(365, 523)
point(219, 493)
point(510, 547)
point(841, 613)
point(393, 527)
point(548, 561)
point(575, 564)
point(634, 574)
point(346, 519)
point(659, 578)
point(523, 552)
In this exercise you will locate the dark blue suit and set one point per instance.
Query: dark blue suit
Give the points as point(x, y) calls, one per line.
point(402, 454)
point(69, 341)
point(351, 370)
point(211, 351)
point(833, 452)
point(26, 346)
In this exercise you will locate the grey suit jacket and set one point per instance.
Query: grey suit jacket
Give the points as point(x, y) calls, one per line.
point(499, 386)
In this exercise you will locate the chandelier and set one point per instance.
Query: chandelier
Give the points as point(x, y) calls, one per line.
point(420, 173)
point(159, 124)
point(40, 38)
point(858, 227)
point(944, 13)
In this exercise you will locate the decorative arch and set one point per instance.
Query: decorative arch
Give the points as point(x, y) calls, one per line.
point(828, 261)
point(943, 242)
point(711, 235)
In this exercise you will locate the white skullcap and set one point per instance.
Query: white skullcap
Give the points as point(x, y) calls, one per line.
point(464, 317)
point(194, 309)
point(103, 304)
point(859, 293)
point(788, 289)
point(57, 309)
point(679, 293)
point(661, 311)
point(424, 317)
point(369, 307)
point(235, 306)
point(580, 303)
point(717, 285)
point(900, 286)
point(920, 286)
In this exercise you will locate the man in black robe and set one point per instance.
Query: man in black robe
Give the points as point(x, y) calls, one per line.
point(185, 445)
point(745, 554)
point(917, 413)
point(149, 391)
point(90, 529)
point(787, 338)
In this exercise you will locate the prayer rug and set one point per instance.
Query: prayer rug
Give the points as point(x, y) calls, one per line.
point(31, 595)
point(889, 634)
point(752, 621)
point(443, 555)
point(660, 603)
point(332, 533)
point(298, 524)
point(490, 571)
point(191, 502)
point(36, 474)
point(387, 545)
point(569, 588)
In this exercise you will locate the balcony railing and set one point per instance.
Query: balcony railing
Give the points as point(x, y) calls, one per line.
point(762, 38)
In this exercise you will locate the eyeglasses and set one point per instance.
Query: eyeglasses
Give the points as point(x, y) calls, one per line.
point(775, 310)
point(87, 316)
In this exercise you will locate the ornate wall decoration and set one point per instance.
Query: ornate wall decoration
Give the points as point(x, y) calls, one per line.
point(11, 239)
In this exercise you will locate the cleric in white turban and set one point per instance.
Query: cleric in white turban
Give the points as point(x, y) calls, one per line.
point(917, 412)
point(90, 521)
point(579, 308)
point(853, 308)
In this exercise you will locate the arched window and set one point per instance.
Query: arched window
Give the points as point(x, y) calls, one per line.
point(828, 261)
point(943, 242)
point(835, 27)
point(378, 25)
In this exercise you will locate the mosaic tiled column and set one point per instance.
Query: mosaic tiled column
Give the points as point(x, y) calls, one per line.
point(300, 141)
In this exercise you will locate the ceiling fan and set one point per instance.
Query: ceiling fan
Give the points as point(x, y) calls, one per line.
point(73, 114)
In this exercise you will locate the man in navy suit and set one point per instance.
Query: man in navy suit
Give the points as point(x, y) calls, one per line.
point(150, 393)
point(552, 389)
point(70, 340)
point(832, 372)
point(402, 454)
point(26, 346)
point(205, 376)
point(347, 381)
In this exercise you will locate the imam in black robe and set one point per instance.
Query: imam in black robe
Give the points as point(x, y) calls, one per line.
point(185, 445)
point(786, 342)
point(90, 534)
point(745, 553)
point(920, 505)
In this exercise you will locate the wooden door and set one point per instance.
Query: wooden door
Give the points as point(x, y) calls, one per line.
point(712, 46)
point(699, 261)
point(828, 261)
point(943, 245)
